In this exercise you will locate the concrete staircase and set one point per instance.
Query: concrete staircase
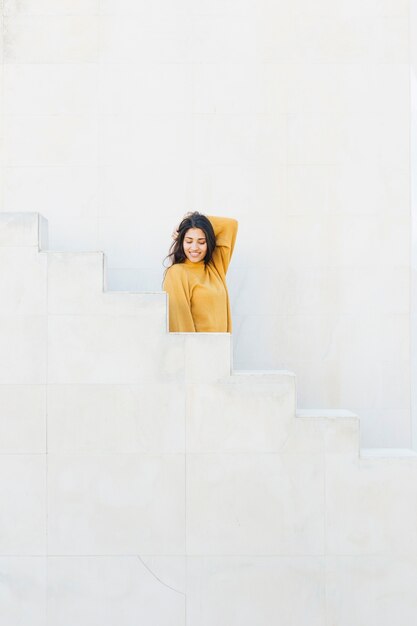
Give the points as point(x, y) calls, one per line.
point(144, 481)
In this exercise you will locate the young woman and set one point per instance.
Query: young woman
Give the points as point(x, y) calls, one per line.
point(196, 278)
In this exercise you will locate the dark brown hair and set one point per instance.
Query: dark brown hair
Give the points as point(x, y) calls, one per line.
point(176, 252)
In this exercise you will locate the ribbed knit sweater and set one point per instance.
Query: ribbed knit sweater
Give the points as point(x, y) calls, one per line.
point(198, 296)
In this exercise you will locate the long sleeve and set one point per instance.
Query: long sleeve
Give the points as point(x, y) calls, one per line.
point(225, 230)
point(179, 305)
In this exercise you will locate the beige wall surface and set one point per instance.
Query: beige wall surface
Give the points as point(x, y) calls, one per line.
point(119, 116)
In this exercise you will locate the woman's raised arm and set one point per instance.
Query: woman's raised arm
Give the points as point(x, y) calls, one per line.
point(225, 230)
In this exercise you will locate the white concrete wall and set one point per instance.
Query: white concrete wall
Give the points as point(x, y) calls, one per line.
point(293, 117)
point(413, 185)
point(144, 482)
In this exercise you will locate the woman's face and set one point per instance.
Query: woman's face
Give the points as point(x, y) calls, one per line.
point(195, 244)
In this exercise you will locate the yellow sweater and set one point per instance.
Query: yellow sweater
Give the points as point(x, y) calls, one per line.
point(198, 297)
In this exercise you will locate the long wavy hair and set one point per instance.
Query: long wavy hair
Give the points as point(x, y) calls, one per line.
point(176, 252)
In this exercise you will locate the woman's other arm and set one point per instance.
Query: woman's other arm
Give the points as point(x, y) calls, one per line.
point(179, 305)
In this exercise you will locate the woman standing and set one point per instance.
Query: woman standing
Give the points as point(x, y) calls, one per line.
point(196, 279)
